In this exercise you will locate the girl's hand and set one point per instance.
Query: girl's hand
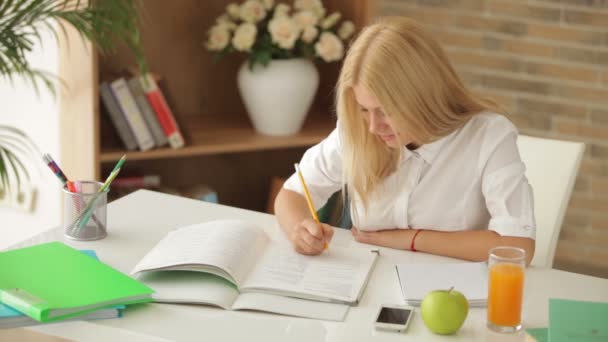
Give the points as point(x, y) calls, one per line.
point(392, 238)
point(309, 237)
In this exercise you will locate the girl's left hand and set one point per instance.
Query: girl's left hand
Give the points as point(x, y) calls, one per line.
point(392, 238)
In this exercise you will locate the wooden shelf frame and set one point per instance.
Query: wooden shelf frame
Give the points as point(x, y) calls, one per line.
point(209, 136)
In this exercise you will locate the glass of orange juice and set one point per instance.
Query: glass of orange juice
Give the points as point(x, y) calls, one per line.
point(506, 267)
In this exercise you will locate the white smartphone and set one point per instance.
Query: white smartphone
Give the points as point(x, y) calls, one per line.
point(394, 317)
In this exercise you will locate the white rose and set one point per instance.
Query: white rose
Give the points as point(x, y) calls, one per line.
point(252, 11)
point(284, 31)
point(225, 22)
point(268, 4)
point(219, 37)
point(331, 20)
point(329, 47)
point(234, 11)
point(305, 19)
point(346, 30)
point(314, 6)
point(244, 37)
point(310, 33)
point(282, 10)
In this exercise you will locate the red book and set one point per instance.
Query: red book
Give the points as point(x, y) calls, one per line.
point(163, 112)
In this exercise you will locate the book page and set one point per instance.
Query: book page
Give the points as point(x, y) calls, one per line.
point(338, 274)
point(190, 287)
point(291, 306)
point(232, 246)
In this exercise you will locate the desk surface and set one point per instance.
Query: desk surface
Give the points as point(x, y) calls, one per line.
point(138, 221)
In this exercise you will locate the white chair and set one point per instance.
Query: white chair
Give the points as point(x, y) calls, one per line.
point(551, 169)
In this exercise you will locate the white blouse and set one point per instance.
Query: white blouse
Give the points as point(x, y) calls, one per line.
point(471, 179)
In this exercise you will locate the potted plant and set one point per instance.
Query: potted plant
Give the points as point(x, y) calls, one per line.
point(104, 23)
point(278, 81)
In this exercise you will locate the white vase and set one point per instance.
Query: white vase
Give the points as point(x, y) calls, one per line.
point(278, 96)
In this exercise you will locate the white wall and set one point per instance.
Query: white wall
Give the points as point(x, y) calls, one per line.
point(38, 116)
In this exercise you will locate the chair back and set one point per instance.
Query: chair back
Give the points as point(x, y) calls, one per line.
point(551, 168)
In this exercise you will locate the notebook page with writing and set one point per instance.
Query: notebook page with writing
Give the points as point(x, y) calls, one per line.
point(227, 248)
point(469, 278)
point(336, 275)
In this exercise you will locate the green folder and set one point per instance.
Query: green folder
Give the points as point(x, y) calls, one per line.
point(539, 334)
point(577, 321)
point(51, 282)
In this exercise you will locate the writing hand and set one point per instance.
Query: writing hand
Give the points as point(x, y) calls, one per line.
point(310, 237)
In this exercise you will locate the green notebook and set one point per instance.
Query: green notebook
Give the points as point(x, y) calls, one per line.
point(52, 281)
point(577, 321)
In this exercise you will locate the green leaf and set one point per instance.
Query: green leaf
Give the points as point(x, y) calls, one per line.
point(103, 22)
point(14, 146)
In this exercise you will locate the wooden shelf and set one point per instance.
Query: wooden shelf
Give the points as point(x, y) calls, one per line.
point(208, 135)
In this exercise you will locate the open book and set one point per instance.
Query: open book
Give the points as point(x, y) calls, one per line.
point(235, 265)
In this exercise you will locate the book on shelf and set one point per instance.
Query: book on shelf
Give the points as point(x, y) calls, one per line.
point(148, 113)
point(52, 282)
point(165, 116)
point(235, 265)
point(129, 108)
point(118, 119)
point(200, 192)
point(11, 318)
point(138, 182)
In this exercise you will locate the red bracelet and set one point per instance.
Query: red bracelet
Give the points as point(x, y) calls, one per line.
point(413, 246)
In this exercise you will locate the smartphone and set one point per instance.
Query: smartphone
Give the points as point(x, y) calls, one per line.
point(394, 317)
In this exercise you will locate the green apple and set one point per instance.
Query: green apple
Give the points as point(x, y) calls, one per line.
point(444, 311)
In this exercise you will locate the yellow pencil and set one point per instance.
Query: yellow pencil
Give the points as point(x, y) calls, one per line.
point(311, 207)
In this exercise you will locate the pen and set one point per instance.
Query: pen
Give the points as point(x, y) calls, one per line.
point(308, 198)
point(57, 171)
point(50, 162)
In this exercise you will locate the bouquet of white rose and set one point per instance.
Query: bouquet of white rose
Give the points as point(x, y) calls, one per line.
point(269, 31)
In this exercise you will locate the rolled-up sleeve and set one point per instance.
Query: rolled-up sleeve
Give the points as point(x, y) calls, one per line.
point(508, 195)
point(321, 167)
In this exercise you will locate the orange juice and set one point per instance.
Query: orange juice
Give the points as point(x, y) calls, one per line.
point(505, 291)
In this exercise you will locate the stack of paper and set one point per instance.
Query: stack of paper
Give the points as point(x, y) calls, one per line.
point(469, 278)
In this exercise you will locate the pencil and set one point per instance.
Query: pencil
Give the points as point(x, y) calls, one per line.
point(311, 207)
point(86, 214)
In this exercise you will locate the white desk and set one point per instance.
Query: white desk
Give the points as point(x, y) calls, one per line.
point(138, 221)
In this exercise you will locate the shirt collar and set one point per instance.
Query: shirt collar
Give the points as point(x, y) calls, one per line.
point(429, 151)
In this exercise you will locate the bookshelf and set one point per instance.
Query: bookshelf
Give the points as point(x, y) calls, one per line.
point(222, 149)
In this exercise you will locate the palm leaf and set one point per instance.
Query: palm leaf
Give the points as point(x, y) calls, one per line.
point(22, 22)
point(14, 146)
point(104, 23)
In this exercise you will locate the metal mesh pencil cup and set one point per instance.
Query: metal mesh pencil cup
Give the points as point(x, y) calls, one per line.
point(84, 212)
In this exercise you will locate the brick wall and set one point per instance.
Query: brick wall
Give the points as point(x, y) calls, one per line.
point(546, 62)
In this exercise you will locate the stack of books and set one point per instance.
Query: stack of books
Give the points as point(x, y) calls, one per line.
point(53, 282)
point(140, 113)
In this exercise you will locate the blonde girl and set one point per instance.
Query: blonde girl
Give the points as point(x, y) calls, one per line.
point(428, 166)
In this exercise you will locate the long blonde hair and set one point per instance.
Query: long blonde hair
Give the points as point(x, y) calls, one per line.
point(412, 79)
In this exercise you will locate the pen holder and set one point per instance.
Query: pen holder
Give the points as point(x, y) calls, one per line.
point(84, 215)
